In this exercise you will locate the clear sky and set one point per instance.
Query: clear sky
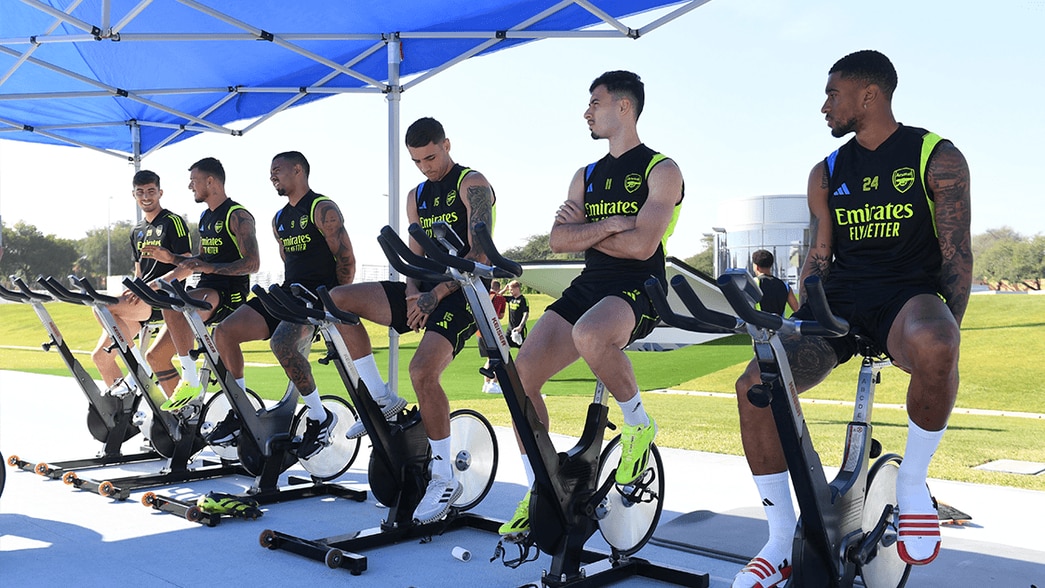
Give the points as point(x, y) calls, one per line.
point(733, 92)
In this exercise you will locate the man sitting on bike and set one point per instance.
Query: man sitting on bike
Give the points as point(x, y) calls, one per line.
point(890, 230)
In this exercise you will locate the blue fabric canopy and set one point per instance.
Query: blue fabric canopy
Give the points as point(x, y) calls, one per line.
point(130, 76)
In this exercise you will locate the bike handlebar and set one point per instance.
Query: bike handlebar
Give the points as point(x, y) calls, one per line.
point(437, 253)
point(282, 306)
point(696, 322)
point(21, 285)
point(406, 261)
point(62, 293)
point(332, 309)
point(507, 267)
point(12, 295)
point(89, 290)
point(740, 291)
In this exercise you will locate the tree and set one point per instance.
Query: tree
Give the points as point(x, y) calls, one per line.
point(102, 253)
point(537, 248)
point(705, 260)
point(28, 253)
point(1005, 255)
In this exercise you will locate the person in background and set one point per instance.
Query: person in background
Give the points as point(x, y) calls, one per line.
point(775, 292)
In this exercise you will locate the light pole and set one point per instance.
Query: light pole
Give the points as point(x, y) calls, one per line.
point(108, 241)
point(721, 250)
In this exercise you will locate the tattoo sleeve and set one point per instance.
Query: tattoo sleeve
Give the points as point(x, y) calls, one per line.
point(241, 224)
point(947, 177)
point(332, 225)
point(480, 199)
point(427, 302)
point(286, 342)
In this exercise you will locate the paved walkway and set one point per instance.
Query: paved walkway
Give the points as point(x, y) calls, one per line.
point(52, 535)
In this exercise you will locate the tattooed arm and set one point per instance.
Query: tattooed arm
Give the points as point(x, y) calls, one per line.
point(478, 202)
point(241, 225)
point(332, 225)
point(947, 177)
point(818, 262)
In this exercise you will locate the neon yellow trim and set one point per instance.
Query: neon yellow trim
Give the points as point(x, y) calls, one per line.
point(929, 142)
point(312, 211)
point(657, 158)
point(228, 230)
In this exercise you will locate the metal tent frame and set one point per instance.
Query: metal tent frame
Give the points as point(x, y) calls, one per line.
point(324, 53)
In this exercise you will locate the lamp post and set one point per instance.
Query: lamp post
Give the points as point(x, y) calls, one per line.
point(108, 241)
point(721, 250)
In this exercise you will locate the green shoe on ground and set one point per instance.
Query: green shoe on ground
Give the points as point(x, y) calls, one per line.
point(634, 455)
point(228, 504)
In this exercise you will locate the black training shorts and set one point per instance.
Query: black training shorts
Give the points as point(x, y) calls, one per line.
point(451, 318)
point(584, 293)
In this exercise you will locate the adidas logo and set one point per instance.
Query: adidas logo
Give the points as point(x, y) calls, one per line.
point(424, 206)
point(842, 190)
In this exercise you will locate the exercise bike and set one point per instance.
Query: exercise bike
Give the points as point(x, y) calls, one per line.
point(109, 417)
point(400, 458)
point(269, 437)
point(847, 527)
point(175, 437)
point(574, 492)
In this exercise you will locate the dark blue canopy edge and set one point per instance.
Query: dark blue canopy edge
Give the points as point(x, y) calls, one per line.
point(127, 77)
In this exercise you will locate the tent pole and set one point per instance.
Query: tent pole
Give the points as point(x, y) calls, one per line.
point(136, 143)
point(393, 96)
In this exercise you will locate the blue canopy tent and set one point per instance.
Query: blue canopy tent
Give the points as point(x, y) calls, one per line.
point(128, 77)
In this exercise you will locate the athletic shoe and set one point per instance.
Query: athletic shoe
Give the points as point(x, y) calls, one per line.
point(183, 395)
point(226, 432)
point(759, 573)
point(519, 524)
point(389, 410)
point(634, 455)
point(317, 435)
point(120, 388)
point(486, 387)
point(440, 495)
point(495, 388)
point(228, 504)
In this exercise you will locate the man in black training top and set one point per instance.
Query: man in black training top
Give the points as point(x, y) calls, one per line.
point(776, 293)
point(316, 251)
point(890, 240)
point(158, 227)
point(620, 212)
point(461, 197)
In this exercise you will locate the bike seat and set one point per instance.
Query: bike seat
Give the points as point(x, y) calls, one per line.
point(868, 348)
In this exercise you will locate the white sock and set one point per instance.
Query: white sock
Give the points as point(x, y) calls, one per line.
point(242, 383)
point(912, 495)
point(441, 467)
point(188, 370)
point(367, 368)
point(528, 468)
point(780, 512)
point(316, 411)
point(634, 412)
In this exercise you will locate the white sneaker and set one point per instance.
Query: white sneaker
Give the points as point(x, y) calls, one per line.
point(495, 388)
point(486, 387)
point(440, 495)
point(389, 410)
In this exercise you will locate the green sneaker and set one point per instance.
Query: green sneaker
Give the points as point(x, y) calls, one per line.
point(519, 524)
point(228, 504)
point(183, 394)
point(634, 451)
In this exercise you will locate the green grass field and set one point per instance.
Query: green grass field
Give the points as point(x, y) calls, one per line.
point(1000, 336)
